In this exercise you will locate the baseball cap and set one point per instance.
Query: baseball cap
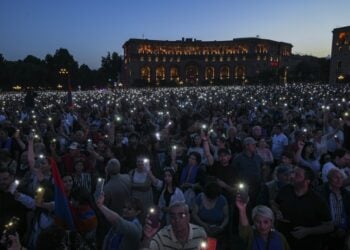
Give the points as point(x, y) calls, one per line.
point(249, 140)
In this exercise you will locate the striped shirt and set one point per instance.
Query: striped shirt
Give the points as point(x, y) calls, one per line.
point(337, 209)
point(165, 239)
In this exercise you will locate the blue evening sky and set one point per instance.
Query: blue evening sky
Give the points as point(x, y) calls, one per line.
point(91, 28)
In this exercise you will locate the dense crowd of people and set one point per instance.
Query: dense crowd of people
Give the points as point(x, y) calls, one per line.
point(230, 167)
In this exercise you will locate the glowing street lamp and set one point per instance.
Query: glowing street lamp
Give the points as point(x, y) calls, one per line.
point(17, 87)
point(63, 71)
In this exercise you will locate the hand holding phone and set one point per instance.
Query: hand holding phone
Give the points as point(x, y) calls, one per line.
point(11, 229)
point(146, 164)
point(243, 191)
point(153, 216)
point(39, 196)
point(99, 187)
point(13, 187)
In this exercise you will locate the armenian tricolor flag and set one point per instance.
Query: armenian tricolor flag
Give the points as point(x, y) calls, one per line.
point(63, 212)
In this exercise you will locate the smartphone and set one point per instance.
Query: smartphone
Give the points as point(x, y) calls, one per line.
point(205, 129)
point(99, 187)
point(146, 164)
point(243, 192)
point(11, 229)
point(39, 196)
point(203, 245)
point(153, 216)
point(13, 186)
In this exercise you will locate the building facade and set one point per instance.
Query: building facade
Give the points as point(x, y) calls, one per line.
point(191, 61)
point(340, 58)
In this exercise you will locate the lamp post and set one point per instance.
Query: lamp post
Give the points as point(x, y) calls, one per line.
point(65, 73)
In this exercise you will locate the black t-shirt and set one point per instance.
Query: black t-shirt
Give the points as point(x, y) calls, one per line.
point(225, 173)
point(308, 210)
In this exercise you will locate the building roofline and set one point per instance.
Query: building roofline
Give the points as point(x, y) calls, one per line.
point(345, 28)
point(195, 41)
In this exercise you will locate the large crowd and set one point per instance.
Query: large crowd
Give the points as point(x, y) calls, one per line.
point(230, 167)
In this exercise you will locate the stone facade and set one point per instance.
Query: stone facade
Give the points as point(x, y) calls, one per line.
point(340, 59)
point(191, 61)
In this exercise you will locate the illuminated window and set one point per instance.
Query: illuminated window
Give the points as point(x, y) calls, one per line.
point(228, 59)
point(243, 58)
point(224, 72)
point(239, 72)
point(171, 59)
point(146, 73)
point(164, 59)
point(160, 73)
point(142, 59)
point(341, 38)
point(174, 73)
point(156, 59)
point(149, 59)
point(178, 59)
point(209, 73)
point(258, 58)
point(206, 59)
point(221, 59)
point(213, 59)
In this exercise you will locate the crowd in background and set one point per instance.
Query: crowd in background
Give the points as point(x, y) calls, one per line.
point(240, 167)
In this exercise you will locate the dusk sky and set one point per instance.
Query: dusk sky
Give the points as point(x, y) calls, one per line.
point(89, 29)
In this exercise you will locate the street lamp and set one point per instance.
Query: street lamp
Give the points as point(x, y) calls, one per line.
point(63, 71)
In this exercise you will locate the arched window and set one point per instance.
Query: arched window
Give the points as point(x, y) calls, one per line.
point(192, 73)
point(224, 72)
point(160, 73)
point(209, 73)
point(146, 73)
point(174, 73)
point(239, 72)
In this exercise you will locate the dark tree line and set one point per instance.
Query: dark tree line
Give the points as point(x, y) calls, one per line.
point(35, 72)
point(32, 71)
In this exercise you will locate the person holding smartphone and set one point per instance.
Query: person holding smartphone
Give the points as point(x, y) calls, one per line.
point(126, 230)
point(261, 235)
point(142, 180)
point(179, 234)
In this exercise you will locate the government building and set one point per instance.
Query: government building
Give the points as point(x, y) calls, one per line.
point(189, 61)
point(340, 58)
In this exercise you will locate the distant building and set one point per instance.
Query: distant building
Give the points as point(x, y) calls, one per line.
point(340, 58)
point(191, 61)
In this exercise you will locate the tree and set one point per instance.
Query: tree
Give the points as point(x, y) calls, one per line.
point(87, 77)
point(111, 66)
point(61, 59)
